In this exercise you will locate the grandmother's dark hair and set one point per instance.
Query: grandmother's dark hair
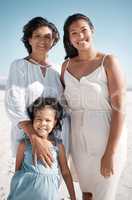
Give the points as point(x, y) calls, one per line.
point(41, 103)
point(69, 49)
point(34, 24)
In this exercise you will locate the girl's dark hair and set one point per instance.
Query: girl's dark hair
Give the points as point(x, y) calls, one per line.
point(69, 49)
point(41, 103)
point(34, 24)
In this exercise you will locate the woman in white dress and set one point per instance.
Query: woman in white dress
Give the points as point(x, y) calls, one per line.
point(94, 90)
point(30, 78)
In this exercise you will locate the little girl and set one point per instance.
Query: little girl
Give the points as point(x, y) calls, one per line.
point(37, 181)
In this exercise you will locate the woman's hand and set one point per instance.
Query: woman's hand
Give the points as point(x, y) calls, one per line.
point(107, 165)
point(40, 146)
point(41, 150)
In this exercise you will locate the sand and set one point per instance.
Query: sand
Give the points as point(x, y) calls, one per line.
point(124, 191)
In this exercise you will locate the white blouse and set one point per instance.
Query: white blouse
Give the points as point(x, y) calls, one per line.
point(25, 84)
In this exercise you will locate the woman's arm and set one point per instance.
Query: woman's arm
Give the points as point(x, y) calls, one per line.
point(15, 103)
point(20, 155)
point(116, 87)
point(66, 172)
point(15, 95)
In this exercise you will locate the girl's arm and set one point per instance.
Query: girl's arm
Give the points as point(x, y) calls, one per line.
point(20, 155)
point(116, 87)
point(66, 172)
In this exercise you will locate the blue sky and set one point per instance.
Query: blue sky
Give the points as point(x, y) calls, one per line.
point(112, 21)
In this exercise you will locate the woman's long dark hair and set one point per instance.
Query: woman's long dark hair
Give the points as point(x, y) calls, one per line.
point(69, 49)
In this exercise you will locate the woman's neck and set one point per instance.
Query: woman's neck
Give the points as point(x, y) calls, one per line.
point(89, 54)
point(41, 59)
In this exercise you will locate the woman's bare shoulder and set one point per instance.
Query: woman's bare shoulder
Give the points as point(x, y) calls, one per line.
point(65, 63)
point(110, 60)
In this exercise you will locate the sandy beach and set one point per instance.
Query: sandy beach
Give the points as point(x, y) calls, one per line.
point(124, 191)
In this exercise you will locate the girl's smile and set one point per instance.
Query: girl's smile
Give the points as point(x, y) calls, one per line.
point(44, 121)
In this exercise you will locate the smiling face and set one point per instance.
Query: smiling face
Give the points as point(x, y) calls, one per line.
point(41, 40)
point(44, 121)
point(80, 35)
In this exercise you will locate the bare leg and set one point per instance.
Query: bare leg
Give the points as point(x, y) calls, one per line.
point(87, 196)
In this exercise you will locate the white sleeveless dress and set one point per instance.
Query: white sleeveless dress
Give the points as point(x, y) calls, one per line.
point(90, 110)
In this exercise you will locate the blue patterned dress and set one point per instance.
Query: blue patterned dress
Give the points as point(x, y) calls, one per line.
point(36, 182)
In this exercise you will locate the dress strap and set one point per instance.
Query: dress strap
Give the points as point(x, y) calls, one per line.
point(103, 59)
point(26, 139)
point(67, 64)
point(64, 69)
